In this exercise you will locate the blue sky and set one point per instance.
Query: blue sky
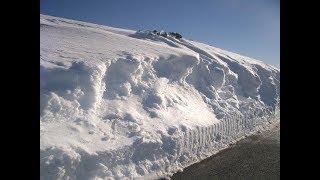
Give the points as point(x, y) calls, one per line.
point(247, 27)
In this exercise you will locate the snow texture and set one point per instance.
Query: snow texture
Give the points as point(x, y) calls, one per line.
point(119, 104)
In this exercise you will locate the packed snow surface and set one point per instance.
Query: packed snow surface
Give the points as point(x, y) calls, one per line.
point(120, 104)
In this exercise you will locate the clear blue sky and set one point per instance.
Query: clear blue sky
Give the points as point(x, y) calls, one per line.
point(248, 27)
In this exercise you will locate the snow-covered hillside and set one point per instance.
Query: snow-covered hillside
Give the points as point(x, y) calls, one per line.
point(118, 103)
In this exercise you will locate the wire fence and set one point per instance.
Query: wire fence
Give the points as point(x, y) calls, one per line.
point(228, 130)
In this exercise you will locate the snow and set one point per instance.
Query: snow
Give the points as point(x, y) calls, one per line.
point(117, 103)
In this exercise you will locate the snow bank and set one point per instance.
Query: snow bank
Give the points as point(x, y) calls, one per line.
point(120, 104)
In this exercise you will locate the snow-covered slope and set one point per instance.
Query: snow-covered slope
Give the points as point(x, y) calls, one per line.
point(118, 103)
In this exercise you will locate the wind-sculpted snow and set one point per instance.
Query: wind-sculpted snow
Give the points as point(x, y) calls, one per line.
point(117, 103)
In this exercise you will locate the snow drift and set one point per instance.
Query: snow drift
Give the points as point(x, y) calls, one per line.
point(118, 103)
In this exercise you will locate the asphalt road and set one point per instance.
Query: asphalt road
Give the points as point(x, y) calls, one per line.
point(255, 157)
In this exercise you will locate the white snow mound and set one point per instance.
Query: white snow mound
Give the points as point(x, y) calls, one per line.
point(120, 104)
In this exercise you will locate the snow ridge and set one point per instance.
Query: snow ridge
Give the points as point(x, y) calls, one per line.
point(117, 103)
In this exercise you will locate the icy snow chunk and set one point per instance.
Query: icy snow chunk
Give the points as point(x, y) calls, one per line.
point(218, 77)
point(79, 82)
point(175, 68)
point(146, 149)
point(121, 76)
point(154, 100)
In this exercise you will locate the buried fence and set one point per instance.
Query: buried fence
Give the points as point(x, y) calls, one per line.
point(207, 140)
